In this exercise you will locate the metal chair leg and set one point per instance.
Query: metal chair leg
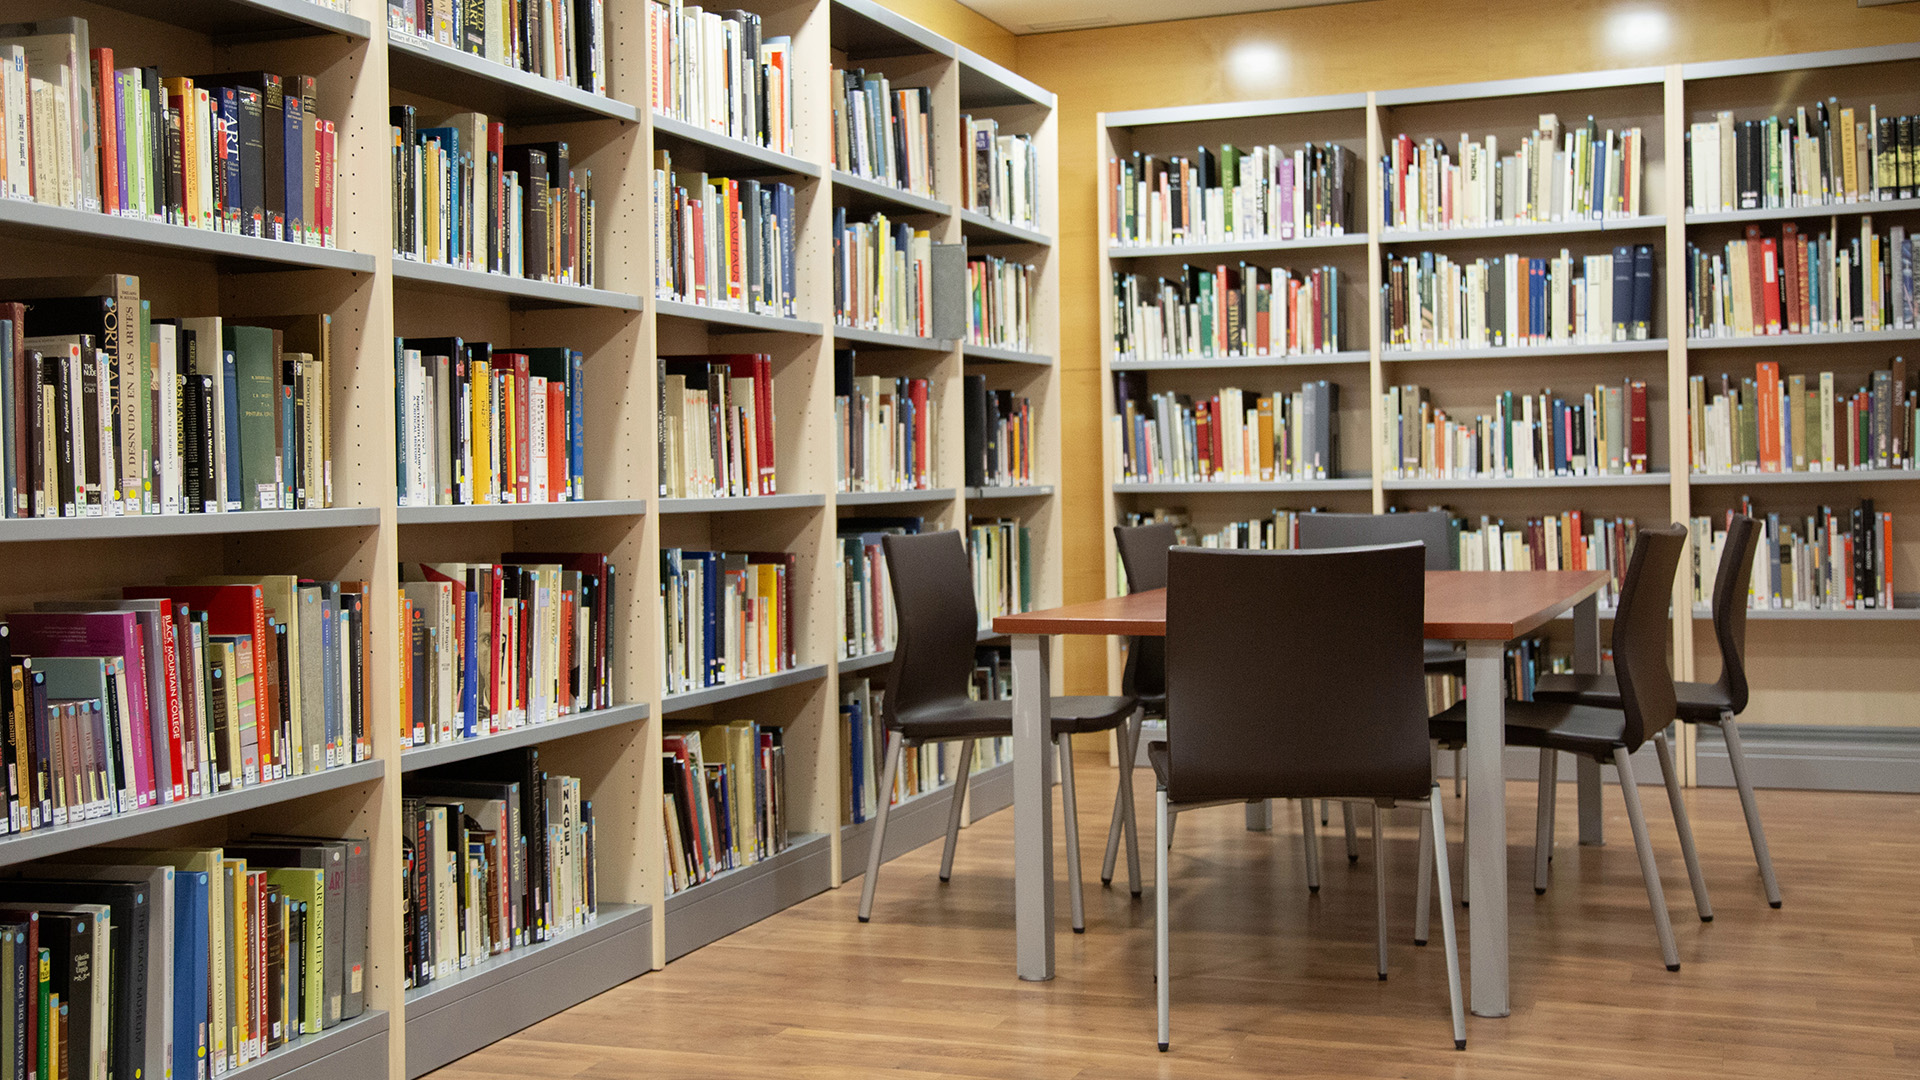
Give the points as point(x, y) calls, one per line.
point(1311, 844)
point(1070, 813)
point(1424, 888)
point(1123, 816)
point(1323, 813)
point(1459, 771)
point(1649, 870)
point(895, 745)
point(1439, 830)
point(961, 775)
point(1161, 838)
point(1543, 820)
point(1671, 775)
point(1353, 843)
point(1465, 863)
point(1737, 758)
point(1380, 887)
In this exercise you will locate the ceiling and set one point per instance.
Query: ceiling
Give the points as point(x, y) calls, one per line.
point(1047, 16)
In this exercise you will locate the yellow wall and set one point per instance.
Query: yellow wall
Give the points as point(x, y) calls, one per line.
point(959, 23)
point(1330, 50)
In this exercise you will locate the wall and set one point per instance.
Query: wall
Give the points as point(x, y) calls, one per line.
point(1378, 45)
point(959, 23)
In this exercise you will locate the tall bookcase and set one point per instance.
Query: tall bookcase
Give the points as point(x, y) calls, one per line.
point(621, 326)
point(1814, 672)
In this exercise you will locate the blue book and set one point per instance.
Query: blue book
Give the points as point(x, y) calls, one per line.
point(294, 182)
point(191, 1024)
point(400, 415)
point(577, 425)
point(289, 442)
point(7, 422)
point(470, 668)
point(230, 391)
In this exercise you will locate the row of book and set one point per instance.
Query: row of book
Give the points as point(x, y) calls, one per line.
point(1570, 540)
point(1833, 154)
point(886, 430)
point(1797, 283)
point(867, 623)
point(882, 275)
point(720, 71)
point(107, 411)
point(465, 197)
point(882, 133)
point(491, 647)
point(1002, 173)
point(728, 615)
point(1227, 311)
point(563, 40)
point(1000, 302)
point(478, 426)
point(1828, 560)
point(999, 435)
point(1002, 552)
point(1801, 423)
point(1231, 436)
point(724, 799)
point(1278, 530)
point(1430, 301)
point(1601, 432)
point(496, 854)
point(180, 691)
point(239, 152)
point(924, 768)
point(723, 243)
point(184, 962)
point(1254, 193)
point(1577, 174)
point(717, 426)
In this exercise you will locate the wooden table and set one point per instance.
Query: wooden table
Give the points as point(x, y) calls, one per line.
point(1484, 610)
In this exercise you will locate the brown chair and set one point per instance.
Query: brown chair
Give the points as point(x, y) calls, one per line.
point(1714, 703)
point(1641, 635)
point(927, 699)
point(1295, 675)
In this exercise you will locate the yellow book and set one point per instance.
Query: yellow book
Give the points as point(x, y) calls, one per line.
point(240, 962)
point(509, 439)
point(482, 470)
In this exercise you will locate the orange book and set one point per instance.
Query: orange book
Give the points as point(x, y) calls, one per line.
point(1264, 434)
point(1768, 377)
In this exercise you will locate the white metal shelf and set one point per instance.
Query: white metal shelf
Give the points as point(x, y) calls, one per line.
point(1233, 247)
point(986, 229)
point(988, 354)
point(1789, 213)
point(549, 511)
point(1250, 487)
point(148, 526)
point(1640, 223)
point(1774, 341)
point(733, 691)
point(1651, 479)
point(736, 155)
point(432, 70)
point(890, 498)
point(886, 339)
point(520, 292)
point(860, 191)
point(1845, 476)
point(249, 20)
point(728, 504)
point(1221, 363)
point(1009, 491)
point(230, 250)
point(726, 319)
point(1525, 352)
point(414, 758)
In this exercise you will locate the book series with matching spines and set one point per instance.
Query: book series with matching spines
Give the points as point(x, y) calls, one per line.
point(1774, 423)
point(728, 616)
point(1231, 436)
point(882, 132)
point(717, 426)
point(1814, 157)
point(724, 799)
point(475, 425)
point(496, 854)
point(492, 647)
point(721, 72)
point(1796, 282)
point(184, 962)
point(1569, 540)
point(867, 623)
point(179, 692)
point(465, 197)
point(1236, 193)
point(924, 768)
point(882, 275)
point(1002, 177)
point(1278, 530)
point(563, 40)
point(999, 435)
point(723, 243)
point(1827, 560)
point(1580, 173)
point(1600, 432)
point(1003, 570)
point(886, 430)
point(1000, 302)
point(1228, 311)
point(109, 411)
point(243, 152)
point(1431, 301)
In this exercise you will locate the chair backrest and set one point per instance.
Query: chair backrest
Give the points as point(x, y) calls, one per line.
point(1643, 633)
point(1730, 587)
point(1296, 674)
point(1143, 552)
point(936, 620)
point(1322, 530)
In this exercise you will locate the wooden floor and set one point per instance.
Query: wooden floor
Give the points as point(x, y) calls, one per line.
point(1269, 981)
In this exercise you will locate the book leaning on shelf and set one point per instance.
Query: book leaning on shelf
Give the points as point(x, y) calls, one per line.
point(728, 616)
point(883, 275)
point(1000, 302)
point(1600, 433)
point(242, 152)
point(999, 435)
point(718, 71)
point(867, 623)
point(1002, 551)
point(724, 797)
point(1797, 283)
point(1579, 174)
point(491, 647)
point(925, 768)
point(1232, 436)
point(1570, 540)
point(480, 426)
point(1227, 311)
point(496, 854)
point(717, 426)
point(885, 430)
point(1238, 193)
point(883, 134)
point(465, 197)
point(1827, 560)
point(1831, 154)
point(1801, 423)
point(1002, 173)
point(564, 40)
point(723, 243)
point(1429, 301)
point(178, 692)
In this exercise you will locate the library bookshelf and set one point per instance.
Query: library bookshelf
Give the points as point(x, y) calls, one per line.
point(1834, 675)
point(621, 326)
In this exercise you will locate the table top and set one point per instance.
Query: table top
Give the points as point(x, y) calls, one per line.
point(1461, 606)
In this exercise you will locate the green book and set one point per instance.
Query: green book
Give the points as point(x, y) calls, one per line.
point(259, 385)
point(308, 887)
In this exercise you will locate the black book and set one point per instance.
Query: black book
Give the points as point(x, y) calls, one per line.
point(521, 767)
point(269, 181)
point(1642, 327)
point(209, 445)
point(1903, 156)
point(193, 428)
point(58, 377)
point(406, 118)
point(128, 932)
point(473, 27)
point(974, 395)
point(157, 143)
point(531, 164)
point(174, 179)
point(280, 1021)
point(68, 936)
point(251, 197)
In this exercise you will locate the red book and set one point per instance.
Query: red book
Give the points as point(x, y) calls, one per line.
point(1794, 317)
point(1769, 415)
point(1756, 281)
point(99, 633)
point(1770, 283)
point(16, 313)
point(917, 394)
point(1637, 426)
point(231, 609)
point(1578, 526)
point(556, 442)
point(109, 133)
point(759, 368)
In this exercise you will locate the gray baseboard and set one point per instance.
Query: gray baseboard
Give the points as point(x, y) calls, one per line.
point(739, 898)
point(1815, 758)
point(351, 1050)
point(922, 819)
point(450, 1018)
